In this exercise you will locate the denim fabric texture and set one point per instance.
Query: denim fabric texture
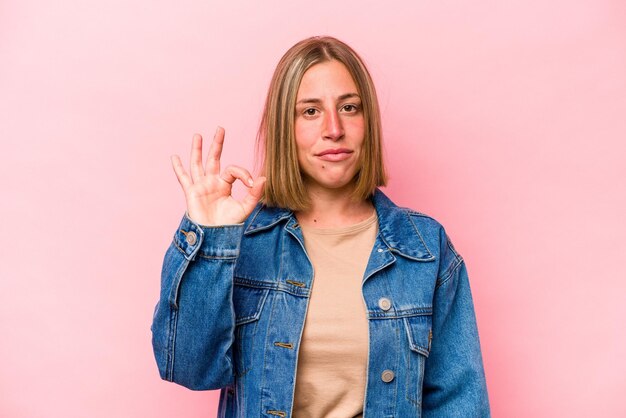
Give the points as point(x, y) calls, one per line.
point(234, 300)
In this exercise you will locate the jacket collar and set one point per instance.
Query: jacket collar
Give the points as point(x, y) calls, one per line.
point(395, 226)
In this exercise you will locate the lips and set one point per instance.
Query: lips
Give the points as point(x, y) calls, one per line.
point(334, 151)
point(337, 154)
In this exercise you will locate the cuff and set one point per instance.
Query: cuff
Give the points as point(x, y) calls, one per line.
point(210, 241)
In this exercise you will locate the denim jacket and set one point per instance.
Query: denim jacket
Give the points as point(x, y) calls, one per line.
point(234, 300)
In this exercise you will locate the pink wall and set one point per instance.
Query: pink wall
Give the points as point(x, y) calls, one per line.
point(504, 120)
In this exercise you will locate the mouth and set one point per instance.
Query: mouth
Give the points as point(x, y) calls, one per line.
point(337, 154)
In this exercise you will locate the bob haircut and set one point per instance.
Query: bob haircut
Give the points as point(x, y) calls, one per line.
point(276, 137)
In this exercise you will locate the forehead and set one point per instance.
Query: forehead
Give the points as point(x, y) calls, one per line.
point(329, 78)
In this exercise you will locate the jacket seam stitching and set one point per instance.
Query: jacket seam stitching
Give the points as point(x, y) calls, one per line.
point(217, 257)
point(449, 273)
point(171, 345)
point(421, 238)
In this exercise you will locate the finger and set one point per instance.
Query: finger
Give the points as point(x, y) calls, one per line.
point(197, 171)
point(234, 172)
point(179, 170)
point(215, 152)
point(254, 195)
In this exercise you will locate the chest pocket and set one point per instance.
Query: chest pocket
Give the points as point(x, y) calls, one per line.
point(248, 303)
point(419, 334)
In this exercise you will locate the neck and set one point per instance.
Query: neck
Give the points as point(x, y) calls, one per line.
point(334, 208)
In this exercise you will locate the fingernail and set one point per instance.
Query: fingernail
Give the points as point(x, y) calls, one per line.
point(250, 182)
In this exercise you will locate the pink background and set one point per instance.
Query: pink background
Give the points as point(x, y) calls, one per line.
point(505, 120)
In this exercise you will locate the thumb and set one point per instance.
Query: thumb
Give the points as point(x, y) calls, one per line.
point(255, 193)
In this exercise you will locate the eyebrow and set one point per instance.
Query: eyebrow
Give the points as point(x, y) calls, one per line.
point(342, 97)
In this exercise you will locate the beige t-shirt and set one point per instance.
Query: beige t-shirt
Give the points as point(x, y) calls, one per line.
point(332, 361)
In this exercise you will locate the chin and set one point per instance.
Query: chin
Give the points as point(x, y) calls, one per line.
point(333, 184)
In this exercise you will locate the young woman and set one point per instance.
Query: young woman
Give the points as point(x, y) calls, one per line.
point(315, 295)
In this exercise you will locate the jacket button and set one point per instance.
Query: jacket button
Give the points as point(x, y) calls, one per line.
point(384, 304)
point(191, 238)
point(387, 376)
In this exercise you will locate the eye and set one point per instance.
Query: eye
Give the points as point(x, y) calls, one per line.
point(310, 111)
point(350, 108)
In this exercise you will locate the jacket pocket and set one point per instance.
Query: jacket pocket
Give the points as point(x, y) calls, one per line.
point(419, 334)
point(248, 303)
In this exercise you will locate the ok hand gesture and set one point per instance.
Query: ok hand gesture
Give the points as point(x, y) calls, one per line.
point(209, 193)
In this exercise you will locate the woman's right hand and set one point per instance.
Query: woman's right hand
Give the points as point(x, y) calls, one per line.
point(209, 193)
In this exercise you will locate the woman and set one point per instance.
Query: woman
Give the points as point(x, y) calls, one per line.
point(315, 295)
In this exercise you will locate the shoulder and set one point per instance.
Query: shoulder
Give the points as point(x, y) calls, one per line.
point(400, 217)
point(430, 227)
point(424, 221)
point(415, 227)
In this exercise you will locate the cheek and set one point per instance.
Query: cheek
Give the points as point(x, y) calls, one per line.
point(358, 130)
point(302, 138)
point(356, 126)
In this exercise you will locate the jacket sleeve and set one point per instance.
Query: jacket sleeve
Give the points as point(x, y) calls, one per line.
point(193, 324)
point(454, 378)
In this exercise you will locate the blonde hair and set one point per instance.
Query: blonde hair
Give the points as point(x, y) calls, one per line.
point(276, 137)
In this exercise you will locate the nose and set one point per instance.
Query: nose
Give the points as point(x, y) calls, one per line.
point(333, 128)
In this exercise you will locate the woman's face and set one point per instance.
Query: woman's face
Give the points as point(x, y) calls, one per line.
point(329, 126)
